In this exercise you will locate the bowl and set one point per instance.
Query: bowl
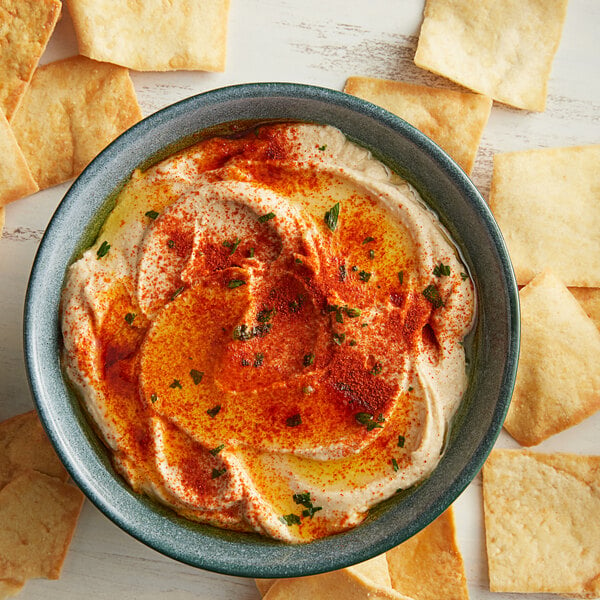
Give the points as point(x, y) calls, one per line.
point(493, 352)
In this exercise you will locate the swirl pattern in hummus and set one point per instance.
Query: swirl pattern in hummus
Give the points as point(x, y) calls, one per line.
point(268, 332)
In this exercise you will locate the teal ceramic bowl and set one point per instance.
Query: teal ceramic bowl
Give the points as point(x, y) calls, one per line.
point(493, 353)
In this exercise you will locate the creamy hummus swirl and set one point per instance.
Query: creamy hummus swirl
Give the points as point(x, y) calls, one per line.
point(267, 333)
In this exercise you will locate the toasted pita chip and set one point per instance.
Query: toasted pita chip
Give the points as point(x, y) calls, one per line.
point(541, 522)
point(500, 48)
point(25, 28)
point(10, 588)
point(558, 378)
point(71, 111)
point(346, 583)
point(429, 565)
point(453, 120)
point(24, 446)
point(39, 514)
point(375, 570)
point(589, 298)
point(153, 35)
point(547, 204)
point(15, 178)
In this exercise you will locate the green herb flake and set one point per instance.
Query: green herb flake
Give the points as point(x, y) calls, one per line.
point(234, 245)
point(214, 411)
point(310, 512)
point(267, 217)
point(432, 295)
point(265, 315)
point(294, 420)
point(196, 376)
point(176, 384)
point(371, 254)
point(234, 283)
point(352, 343)
point(364, 276)
point(216, 450)
point(352, 312)
point(339, 338)
point(303, 499)
point(401, 441)
point(308, 389)
point(103, 250)
point(129, 317)
point(152, 214)
point(368, 239)
point(177, 292)
point(259, 358)
point(308, 359)
point(376, 370)
point(153, 398)
point(339, 317)
point(368, 421)
point(218, 472)
point(464, 276)
point(343, 272)
point(171, 243)
point(401, 277)
point(290, 520)
point(395, 464)
point(332, 216)
point(323, 147)
point(251, 253)
point(298, 261)
point(441, 269)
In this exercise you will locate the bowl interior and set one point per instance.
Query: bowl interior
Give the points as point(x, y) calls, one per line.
point(493, 352)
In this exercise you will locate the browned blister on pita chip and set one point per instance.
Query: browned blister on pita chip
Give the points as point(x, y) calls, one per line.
point(454, 120)
point(153, 35)
point(541, 522)
point(39, 514)
point(25, 28)
point(15, 177)
point(501, 48)
point(558, 377)
point(547, 204)
point(429, 565)
point(24, 445)
point(71, 111)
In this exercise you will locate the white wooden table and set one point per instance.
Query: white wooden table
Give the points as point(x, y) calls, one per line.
point(317, 42)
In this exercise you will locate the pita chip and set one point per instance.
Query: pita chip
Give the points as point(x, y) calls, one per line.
point(71, 111)
point(23, 446)
point(589, 298)
point(15, 177)
point(39, 514)
point(153, 35)
point(25, 28)
point(558, 378)
point(541, 522)
point(10, 588)
point(374, 570)
point(500, 48)
point(452, 119)
point(429, 565)
point(547, 204)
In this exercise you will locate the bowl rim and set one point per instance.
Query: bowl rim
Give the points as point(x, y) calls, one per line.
point(166, 533)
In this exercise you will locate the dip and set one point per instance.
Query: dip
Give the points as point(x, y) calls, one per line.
point(267, 333)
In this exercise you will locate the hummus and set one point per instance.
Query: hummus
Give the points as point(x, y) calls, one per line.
point(268, 332)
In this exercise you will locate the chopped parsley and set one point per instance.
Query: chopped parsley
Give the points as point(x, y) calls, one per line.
point(395, 464)
point(294, 420)
point(339, 338)
point(368, 421)
point(176, 384)
point(343, 272)
point(308, 359)
point(323, 147)
point(232, 245)
point(401, 441)
point(352, 312)
point(371, 254)
point(216, 450)
point(152, 214)
point(171, 243)
point(332, 216)
point(368, 239)
point(464, 276)
point(153, 398)
point(177, 292)
point(251, 253)
point(129, 317)
point(103, 250)
point(308, 389)
point(265, 315)
point(214, 411)
point(243, 333)
point(234, 283)
point(290, 520)
point(218, 472)
point(304, 500)
point(364, 276)
point(266, 217)
point(259, 358)
point(432, 295)
point(441, 269)
point(401, 277)
point(196, 376)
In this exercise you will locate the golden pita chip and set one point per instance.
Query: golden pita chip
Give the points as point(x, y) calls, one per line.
point(547, 204)
point(15, 178)
point(453, 120)
point(10, 588)
point(429, 565)
point(589, 298)
point(72, 110)
point(25, 28)
point(24, 446)
point(374, 570)
point(39, 514)
point(541, 522)
point(153, 35)
point(500, 48)
point(346, 583)
point(558, 377)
